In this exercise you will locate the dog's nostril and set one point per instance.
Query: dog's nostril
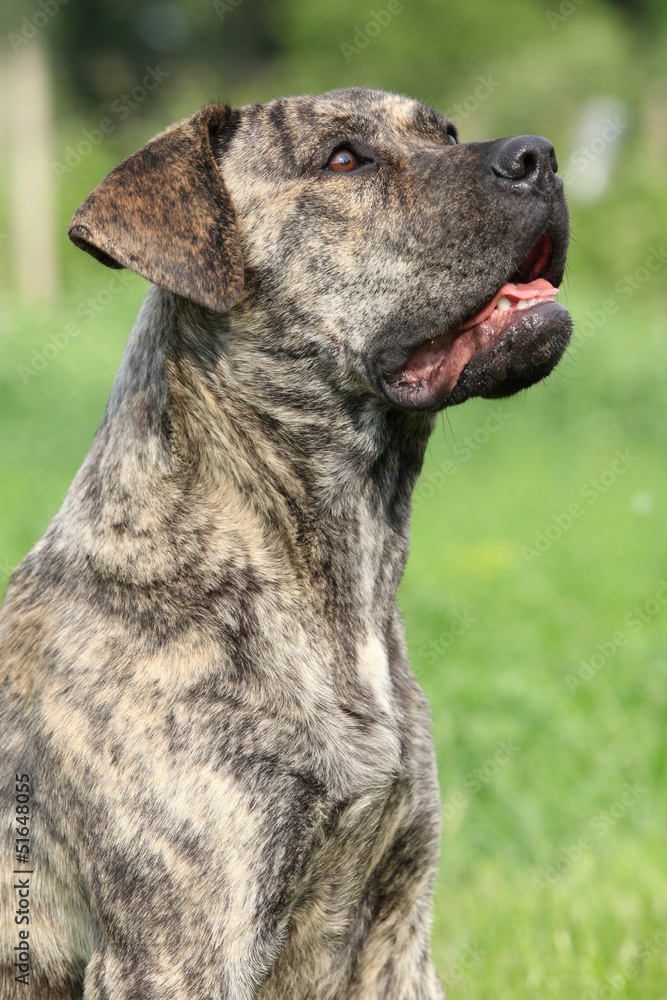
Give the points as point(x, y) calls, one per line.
point(529, 164)
point(526, 159)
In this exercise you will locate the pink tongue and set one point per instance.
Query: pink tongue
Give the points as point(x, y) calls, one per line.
point(538, 289)
point(460, 344)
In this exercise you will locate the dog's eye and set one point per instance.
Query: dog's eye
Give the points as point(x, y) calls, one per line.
point(451, 133)
point(342, 159)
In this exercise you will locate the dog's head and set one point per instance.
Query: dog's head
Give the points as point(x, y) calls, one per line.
point(359, 234)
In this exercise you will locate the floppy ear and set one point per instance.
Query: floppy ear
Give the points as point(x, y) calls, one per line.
point(166, 214)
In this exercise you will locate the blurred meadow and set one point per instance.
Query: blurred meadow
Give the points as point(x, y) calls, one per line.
point(535, 597)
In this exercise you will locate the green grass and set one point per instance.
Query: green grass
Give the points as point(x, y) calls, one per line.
point(506, 922)
point(504, 680)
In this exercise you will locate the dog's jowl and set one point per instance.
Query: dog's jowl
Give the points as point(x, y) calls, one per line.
point(218, 776)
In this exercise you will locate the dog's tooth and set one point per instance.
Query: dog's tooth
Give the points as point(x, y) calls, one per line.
point(503, 303)
point(523, 303)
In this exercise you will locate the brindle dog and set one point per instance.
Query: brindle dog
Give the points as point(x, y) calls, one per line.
point(205, 689)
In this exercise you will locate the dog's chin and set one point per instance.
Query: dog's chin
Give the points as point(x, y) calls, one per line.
point(503, 353)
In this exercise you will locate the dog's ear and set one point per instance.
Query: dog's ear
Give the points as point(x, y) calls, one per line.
point(166, 214)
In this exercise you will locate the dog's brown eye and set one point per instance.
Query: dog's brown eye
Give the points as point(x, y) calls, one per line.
point(343, 159)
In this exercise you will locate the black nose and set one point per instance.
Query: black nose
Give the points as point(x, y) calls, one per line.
point(527, 160)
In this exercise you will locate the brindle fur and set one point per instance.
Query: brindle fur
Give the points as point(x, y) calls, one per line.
point(204, 670)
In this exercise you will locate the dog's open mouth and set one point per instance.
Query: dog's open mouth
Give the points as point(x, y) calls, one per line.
point(435, 367)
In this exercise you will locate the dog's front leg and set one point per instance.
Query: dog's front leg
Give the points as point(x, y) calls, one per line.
point(191, 887)
point(193, 928)
point(191, 969)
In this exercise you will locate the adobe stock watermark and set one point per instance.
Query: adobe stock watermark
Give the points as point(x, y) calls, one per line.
point(591, 491)
point(430, 652)
point(432, 479)
point(585, 155)
point(379, 19)
point(461, 112)
point(87, 310)
point(475, 779)
point(625, 288)
point(565, 9)
point(120, 109)
point(31, 26)
point(605, 651)
point(455, 971)
point(599, 827)
point(617, 981)
point(222, 7)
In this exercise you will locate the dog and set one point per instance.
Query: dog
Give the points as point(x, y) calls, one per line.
point(217, 766)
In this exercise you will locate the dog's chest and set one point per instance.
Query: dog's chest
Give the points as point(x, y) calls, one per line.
point(363, 882)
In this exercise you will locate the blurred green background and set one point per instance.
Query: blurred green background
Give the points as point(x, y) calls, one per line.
point(536, 590)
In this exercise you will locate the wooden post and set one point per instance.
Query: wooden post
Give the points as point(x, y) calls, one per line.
point(32, 195)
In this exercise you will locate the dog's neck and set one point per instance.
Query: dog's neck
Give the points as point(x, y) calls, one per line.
point(213, 432)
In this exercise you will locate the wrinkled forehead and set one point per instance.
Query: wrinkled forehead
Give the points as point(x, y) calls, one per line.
point(294, 126)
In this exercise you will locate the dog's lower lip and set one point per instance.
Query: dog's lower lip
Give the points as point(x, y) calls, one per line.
point(437, 364)
point(441, 360)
